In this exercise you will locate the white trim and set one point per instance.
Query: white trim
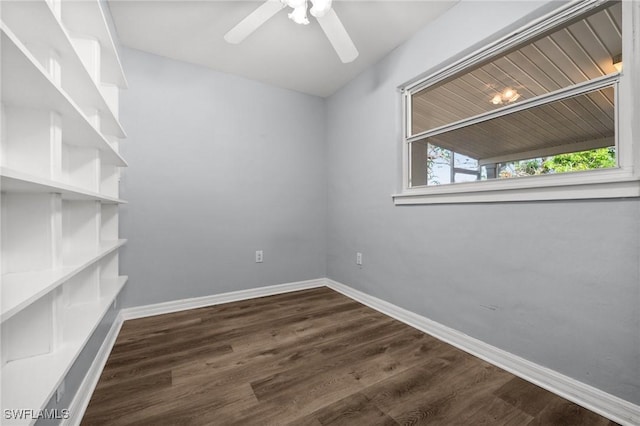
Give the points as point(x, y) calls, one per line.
point(406, 160)
point(571, 191)
point(592, 184)
point(83, 395)
point(605, 404)
point(217, 299)
point(589, 86)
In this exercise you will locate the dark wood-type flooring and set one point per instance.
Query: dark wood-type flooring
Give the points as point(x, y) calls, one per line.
point(312, 357)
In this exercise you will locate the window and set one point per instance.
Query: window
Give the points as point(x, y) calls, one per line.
point(540, 108)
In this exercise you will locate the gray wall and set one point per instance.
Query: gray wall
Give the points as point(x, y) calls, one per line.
point(220, 166)
point(554, 282)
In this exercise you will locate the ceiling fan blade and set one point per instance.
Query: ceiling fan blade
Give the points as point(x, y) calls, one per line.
point(338, 36)
point(252, 22)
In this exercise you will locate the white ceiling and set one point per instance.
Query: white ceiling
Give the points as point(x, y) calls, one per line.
point(280, 52)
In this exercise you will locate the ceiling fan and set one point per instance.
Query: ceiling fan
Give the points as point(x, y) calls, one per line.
point(321, 10)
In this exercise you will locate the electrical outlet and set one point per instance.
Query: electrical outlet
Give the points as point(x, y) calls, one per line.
point(115, 304)
point(359, 258)
point(60, 392)
point(258, 256)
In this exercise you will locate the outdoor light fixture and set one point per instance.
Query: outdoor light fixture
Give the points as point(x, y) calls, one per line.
point(507, 96)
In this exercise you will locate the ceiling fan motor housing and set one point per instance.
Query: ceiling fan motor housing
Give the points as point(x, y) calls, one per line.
point(321, 10)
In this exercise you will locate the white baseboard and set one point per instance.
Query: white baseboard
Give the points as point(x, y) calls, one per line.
point(610, 406)
point(605, 404)
point(217, 299)
point(82, 397)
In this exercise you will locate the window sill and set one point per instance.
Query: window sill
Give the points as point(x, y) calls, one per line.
point(575, 186)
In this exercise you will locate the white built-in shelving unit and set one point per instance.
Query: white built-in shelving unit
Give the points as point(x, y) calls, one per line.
point(59, 170)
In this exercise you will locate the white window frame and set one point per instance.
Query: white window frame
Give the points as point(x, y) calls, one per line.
point(623, 181)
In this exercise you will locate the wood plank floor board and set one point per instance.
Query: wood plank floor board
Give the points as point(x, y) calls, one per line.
point(308, 358)
point(119, 364)
point(227, 329)
point(147, 364)
point(134, 387)
point(364, 348)
point(301, 333)
point(253, 308)
point(191, 406)
point(469, 403)
point(356, 409)
point(451, 372)
point(413, 398)
point(561, 412)
point(524, 395)
point(491, 412)
point(268, 360)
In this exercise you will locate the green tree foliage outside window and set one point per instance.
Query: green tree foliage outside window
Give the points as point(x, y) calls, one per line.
point(600, 158)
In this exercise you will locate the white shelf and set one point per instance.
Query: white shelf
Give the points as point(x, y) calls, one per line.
point(19, 290)
point(87, 17)
point(34, 21)
point(14, 181)
point(25, 83)
point(31, 382)
point(60, 86)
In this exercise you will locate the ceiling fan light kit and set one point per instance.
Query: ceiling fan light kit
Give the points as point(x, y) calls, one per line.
point(299, 15)
point(320, 9)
